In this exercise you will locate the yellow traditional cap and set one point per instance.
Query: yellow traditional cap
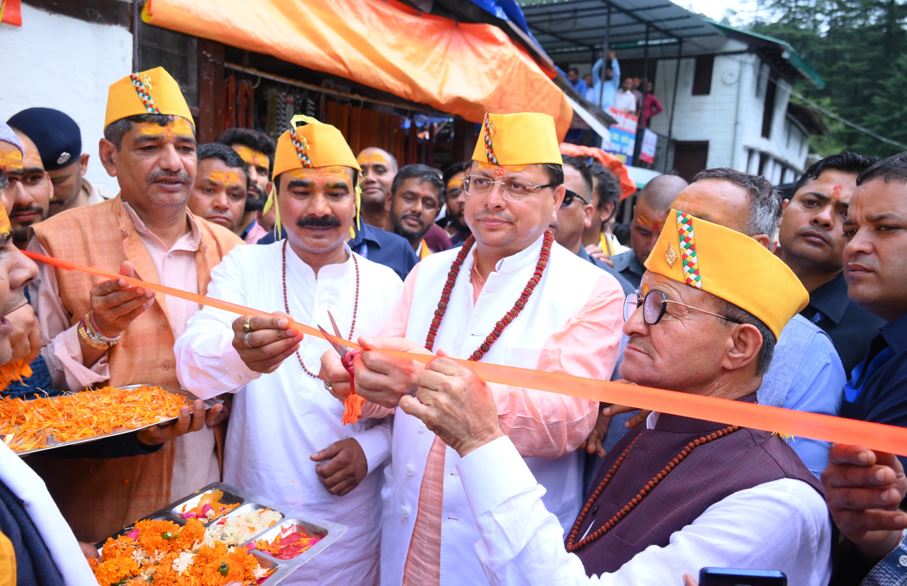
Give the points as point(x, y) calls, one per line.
point(527, 138)
point(148, 92)
point(310, 146)
point(729, 265)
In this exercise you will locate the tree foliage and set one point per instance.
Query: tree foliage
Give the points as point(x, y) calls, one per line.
point(860, 48)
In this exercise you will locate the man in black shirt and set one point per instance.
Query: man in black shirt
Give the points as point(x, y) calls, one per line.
point(812, 240)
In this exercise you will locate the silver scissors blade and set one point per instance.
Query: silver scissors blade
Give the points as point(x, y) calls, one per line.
point(332, 338)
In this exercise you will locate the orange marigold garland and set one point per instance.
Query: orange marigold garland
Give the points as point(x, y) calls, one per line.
point(87, 414)
point(12, 372)
point(165, 553)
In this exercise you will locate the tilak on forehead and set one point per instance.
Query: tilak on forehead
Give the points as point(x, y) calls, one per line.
point(517, 140)
point(374, 157)
point(226, 178)
point(311, 144)
point(251, 157)
point(11, 150)
point(147, 92)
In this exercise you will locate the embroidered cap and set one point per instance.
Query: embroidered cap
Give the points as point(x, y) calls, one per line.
point(526, 138)
point(310, 146)
point(729, 265)
point(147, 92)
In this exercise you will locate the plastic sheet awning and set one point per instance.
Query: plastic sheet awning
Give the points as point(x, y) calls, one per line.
point(454, 67)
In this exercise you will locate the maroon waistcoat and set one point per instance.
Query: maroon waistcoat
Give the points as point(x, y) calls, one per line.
point(713, 471)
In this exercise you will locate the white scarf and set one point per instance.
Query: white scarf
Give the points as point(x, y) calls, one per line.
point(40, 507)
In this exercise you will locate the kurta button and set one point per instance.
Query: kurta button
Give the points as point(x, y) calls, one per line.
point(404, 512)
point(165, 365)
point(410, 469)
point(902, 561)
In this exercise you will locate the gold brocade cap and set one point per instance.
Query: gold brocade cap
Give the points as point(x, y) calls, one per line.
point(313, 145)
point(527, 138)
point(729, 265)
point(147, 92)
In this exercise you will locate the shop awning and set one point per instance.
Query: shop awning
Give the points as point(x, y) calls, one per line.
point(458, 68)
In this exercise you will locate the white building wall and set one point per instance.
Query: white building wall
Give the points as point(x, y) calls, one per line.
point(60, 62)
point(730, 116)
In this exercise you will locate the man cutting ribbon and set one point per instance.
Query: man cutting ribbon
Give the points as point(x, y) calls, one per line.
point(511, 296)
point(675, 494)
point(286, 441)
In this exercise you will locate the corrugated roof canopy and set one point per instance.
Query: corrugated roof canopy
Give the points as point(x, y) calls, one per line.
point(574, 30)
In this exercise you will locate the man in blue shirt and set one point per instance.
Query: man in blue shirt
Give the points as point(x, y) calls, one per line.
point(604, 90)
point(876, 232)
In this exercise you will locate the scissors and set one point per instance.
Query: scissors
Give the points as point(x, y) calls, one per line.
point(347, 356)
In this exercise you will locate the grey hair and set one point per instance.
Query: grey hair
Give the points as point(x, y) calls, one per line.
point(765, 201)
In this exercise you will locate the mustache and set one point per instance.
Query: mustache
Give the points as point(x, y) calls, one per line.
point(26, 209)
point(640, 343)
point(180, 176)
point(417, 217)
point(496, 215)
point(318, 222)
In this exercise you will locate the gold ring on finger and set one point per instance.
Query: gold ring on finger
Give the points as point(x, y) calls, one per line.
point(247, 324)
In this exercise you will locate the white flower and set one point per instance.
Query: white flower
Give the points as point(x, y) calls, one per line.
point(182, 562)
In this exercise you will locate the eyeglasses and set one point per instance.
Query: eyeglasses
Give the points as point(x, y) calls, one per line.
point(511, 190)
point(655, 304)
point(569, 196)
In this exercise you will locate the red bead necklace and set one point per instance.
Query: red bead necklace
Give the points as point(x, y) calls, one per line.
point(511, 315)
point(286, 304)
point(574, 545)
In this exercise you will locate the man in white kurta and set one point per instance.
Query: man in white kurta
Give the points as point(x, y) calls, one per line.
point(569, 323)
point(282, 414)
point(677, 494)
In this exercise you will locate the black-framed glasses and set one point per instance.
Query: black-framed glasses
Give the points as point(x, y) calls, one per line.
point(511, 189)
point(655, 305)
point(569, 196)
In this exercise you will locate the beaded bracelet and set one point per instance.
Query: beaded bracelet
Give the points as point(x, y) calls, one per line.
point(92, 326)
point(88, 339)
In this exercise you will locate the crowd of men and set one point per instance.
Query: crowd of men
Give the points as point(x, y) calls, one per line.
point(723, 290)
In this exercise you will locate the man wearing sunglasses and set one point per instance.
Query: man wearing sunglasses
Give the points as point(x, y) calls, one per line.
point(575, 216)
point(676, 494)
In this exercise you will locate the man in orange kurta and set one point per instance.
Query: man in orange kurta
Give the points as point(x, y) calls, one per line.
point(120, 335)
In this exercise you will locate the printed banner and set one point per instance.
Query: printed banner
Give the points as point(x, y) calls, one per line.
point(649, 143)
point(623, 135)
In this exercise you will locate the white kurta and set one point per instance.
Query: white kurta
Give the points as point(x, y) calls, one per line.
point(280, 419)
point(58, 537)
point(571, 322)
point(783, 524)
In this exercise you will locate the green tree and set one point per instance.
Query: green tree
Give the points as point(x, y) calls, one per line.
point(858, 47)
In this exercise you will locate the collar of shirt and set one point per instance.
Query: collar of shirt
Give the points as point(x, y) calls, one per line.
point(668, 422)
point(513, 263)
point(297, 266)
point(895, 334)
point(831, 299)
point(188, 242)
point(364, 234)
point(503, 267)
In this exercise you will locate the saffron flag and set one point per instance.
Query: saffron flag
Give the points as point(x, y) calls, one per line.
point(11, 12)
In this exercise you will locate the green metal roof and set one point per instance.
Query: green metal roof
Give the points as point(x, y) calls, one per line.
point(788, 53)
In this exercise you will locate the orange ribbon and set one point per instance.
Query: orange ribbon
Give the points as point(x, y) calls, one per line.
point(876, 436)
